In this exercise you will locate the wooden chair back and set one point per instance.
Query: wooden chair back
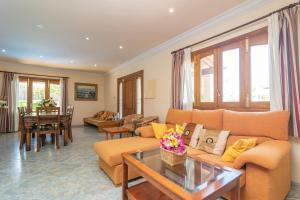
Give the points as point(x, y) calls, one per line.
point(48, 115)
point(21, 112)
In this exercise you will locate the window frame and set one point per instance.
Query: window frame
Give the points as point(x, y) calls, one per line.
point(244, 43)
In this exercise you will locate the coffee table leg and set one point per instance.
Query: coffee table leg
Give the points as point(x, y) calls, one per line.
point(125, 180)
point(235, 192)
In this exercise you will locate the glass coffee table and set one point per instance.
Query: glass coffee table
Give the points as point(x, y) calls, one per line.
point(193, 179)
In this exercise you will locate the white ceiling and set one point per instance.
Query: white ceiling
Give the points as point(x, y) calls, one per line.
point(137, 25)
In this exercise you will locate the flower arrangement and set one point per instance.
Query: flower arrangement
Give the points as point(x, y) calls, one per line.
point(172, 141)
point(48, 103)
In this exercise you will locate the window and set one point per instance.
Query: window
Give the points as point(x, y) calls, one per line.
point(33, 90)
point(231, 75)
point(22, 97)
point(234, 74)
point(207, 78)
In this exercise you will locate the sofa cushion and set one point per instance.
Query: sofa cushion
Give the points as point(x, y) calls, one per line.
point(176, 116)
point(92, 120)
point(211, 119)
point(237, 148)
point(213, 141)
point(233, 138)
point(193, 152)
point(110, 150)
point(268, 124)
point(145, 131)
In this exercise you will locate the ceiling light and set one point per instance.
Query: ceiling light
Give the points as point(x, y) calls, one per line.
point(3, 51)
point(121, 47)
point(171, 10)
point(95, 65)
point(41, 56)
point(87, 38)
point(71, 61)
point(40, 26)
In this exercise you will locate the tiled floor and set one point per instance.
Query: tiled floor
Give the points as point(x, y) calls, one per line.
point(70, 173)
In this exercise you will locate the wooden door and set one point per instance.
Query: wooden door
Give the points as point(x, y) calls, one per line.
point(130, 101)
point(129, 98)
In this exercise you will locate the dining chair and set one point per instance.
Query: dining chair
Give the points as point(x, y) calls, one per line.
point(69, 112)
point(48, 116)
point(21, 128)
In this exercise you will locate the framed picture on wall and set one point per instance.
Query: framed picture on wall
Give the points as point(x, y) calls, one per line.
point(86, 92)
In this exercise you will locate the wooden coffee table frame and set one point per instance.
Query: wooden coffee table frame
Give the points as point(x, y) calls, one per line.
point(115, 130)
point(158, 186)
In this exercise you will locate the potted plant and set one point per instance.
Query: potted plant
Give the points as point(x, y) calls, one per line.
point(172, 148)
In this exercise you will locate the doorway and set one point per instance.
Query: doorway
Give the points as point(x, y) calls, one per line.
point(131, 94)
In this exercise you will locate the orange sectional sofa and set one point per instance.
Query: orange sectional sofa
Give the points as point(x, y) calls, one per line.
point(266, 173)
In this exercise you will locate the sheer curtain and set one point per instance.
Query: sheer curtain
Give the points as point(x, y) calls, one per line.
point(64, 94)
point(284, 36)
point(15, 93)
point(188, 80)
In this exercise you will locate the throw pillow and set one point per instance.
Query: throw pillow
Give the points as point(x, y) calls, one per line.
point(159, 130)
point(237, 148)
point(213, 141)
point(196, 135)
point(188, 132)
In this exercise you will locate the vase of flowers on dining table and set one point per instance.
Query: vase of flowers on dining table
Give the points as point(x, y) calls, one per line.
point(46, 103)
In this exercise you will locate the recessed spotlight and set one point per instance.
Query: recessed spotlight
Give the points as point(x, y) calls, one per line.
point(121, 47)
point(3, 50)
point(171, 10)
point(87, 38)
point(95, 65)
point(71, 61)
point(40, 26)
point(41, 56)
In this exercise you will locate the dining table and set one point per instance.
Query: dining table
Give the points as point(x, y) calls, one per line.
point(30, 120)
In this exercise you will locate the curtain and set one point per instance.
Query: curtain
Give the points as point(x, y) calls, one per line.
point(177, 76)
point(188, 83)
point(15, 96)
point(7, 115)
point(64, 94)
point(284, 38)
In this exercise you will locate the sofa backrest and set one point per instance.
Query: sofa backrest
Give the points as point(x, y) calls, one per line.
point(273, 125)
point(257, 124)
point(176, 116)
point(210, 119)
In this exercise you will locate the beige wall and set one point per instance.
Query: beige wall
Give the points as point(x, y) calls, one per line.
point(157, 66)
point(82, 108)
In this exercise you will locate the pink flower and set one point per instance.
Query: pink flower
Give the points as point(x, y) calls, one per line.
point(173, 142)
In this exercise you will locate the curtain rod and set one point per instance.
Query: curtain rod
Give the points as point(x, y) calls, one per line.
point(35, 74)
point(238, 27)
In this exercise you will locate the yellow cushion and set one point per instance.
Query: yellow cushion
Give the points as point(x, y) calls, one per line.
point(159, 130)
point(237, 148)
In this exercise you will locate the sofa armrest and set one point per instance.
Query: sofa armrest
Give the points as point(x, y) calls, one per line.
point(267, 155)
point(145, 131)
